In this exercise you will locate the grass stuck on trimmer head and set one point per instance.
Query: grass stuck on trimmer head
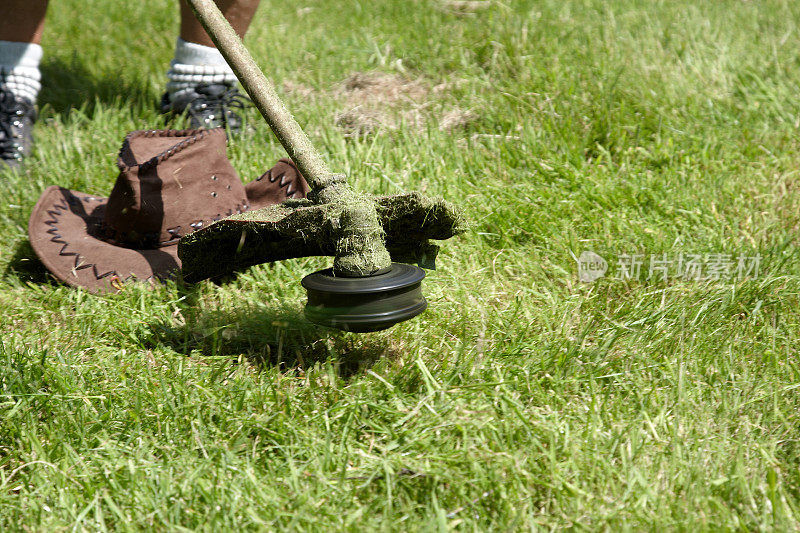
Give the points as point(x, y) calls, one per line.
point(300, 228)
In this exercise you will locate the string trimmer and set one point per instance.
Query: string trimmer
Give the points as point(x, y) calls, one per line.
point(365, 290)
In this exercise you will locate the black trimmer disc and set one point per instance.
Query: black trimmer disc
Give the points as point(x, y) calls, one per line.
point(365, 304)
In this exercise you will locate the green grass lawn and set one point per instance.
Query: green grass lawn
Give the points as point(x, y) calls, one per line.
point(523, 398)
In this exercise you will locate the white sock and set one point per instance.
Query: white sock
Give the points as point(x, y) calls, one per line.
point(19, 68)
point(195, 64)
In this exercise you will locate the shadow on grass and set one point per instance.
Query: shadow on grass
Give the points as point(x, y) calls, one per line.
point(68, 85)
point(268, 337)
point(25, 266)
point(265, 337)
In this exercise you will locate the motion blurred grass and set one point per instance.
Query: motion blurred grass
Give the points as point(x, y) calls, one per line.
point(523, 398)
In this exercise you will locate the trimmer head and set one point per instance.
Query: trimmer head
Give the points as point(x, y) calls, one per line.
point(365, 304)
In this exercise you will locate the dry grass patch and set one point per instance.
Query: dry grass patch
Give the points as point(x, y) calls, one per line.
point(368, 102)
point(383, 88)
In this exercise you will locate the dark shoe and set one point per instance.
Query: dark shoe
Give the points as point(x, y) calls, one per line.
point(208, 106)
point(17, 116)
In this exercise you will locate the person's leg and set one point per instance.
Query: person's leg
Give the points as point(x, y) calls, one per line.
point(238, 12)
point(22, 20)
point(21, 24)
point(200, 82)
